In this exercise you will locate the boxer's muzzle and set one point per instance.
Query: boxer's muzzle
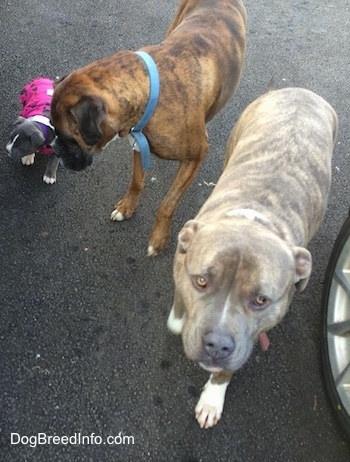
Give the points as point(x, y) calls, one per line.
point(70, 154)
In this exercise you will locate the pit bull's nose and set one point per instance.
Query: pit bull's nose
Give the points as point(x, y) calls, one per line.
point(218, 344)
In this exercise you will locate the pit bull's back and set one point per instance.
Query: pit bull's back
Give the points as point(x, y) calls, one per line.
point(282, 142)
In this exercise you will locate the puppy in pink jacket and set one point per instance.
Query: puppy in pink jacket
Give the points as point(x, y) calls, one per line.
point(32, 132)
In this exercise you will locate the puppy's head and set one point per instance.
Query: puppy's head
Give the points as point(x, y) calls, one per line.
point(26, 138)
point(79, 116)
point(233, 281)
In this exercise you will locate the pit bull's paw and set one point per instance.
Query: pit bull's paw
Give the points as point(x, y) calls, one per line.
point(210, 405)
point(174, 324)
point(49, 179)
point(28, 160)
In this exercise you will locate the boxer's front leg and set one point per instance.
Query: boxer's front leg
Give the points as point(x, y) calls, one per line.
point(125, 208)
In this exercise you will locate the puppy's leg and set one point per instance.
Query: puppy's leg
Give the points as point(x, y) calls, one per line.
point(51, 169)
point(126, 206)
point(211, 403)
point(28, 160)
point(161, 228)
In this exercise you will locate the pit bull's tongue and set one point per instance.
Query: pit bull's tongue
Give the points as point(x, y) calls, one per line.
point(264, 341)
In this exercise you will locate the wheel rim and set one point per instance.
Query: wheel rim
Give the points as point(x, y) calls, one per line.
point(338, 326)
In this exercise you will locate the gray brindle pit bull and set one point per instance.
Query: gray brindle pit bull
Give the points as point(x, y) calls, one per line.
point(199, 65)
point(239, 262)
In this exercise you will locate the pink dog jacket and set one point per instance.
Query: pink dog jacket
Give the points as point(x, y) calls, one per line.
point(36, 98)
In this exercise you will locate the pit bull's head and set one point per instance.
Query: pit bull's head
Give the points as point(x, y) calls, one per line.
point(26, 138)
point(233, 280)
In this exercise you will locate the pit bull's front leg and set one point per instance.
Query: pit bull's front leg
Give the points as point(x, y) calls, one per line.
point(176, 317)
point(211, 403)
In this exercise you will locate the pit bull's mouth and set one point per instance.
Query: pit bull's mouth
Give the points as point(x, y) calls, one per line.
point(214, 364)
point(211, 368)
point(264, 341)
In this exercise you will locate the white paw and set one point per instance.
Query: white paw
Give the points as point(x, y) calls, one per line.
point(117, 216)
point(49, 180)
point(151, 252)
point(211, 404)
point(28, 160)
point(175, 325)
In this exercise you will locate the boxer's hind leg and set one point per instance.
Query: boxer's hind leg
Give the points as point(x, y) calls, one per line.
point(125, 208)
point(161, 228)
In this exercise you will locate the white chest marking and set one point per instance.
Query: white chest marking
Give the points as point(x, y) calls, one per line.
point(251, 214)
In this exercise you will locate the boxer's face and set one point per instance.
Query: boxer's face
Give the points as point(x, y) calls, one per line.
point(78, 118)
point(70, 153)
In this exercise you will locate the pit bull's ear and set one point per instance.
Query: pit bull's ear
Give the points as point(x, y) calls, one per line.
point(303, 266)
point(186, 235)
point(18, 121)
point(89, 113)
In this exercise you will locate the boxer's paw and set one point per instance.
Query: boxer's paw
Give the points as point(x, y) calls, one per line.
point(151, 251)
point(159, 239)
point(116, 215)
point(28, 160)
point(156, 249)
point(124, 209)
point(210, 405)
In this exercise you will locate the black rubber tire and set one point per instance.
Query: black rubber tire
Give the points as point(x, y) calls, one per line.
point(337, 405)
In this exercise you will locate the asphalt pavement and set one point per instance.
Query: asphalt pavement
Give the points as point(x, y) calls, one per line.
point(85, 353)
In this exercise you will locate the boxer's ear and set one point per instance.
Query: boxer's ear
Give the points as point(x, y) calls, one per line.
point(89, 113)
point(303, 266)
point(186, 235)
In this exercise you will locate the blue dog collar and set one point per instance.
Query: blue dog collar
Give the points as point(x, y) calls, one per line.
point(138, 140)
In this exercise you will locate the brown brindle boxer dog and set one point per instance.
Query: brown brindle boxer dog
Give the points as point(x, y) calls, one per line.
point(199, 65)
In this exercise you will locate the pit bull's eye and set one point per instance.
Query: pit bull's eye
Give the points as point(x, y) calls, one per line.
point(201, 282)
point(260, 302)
